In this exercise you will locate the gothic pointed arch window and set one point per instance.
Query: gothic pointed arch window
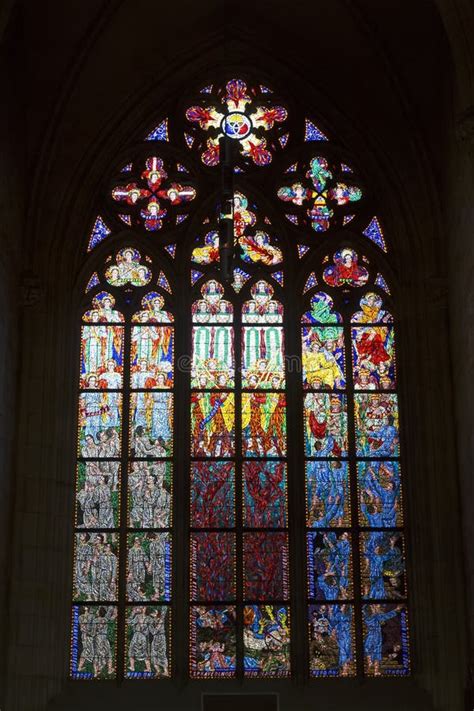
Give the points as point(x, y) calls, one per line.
point(245, 407)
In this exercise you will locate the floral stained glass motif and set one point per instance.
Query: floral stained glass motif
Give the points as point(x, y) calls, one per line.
point(150, 197)
point(160, 132)
point(317, 195)
point(242, 114)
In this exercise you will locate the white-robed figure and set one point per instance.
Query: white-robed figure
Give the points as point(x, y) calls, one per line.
point(162, 508)
point(86, 499)
point(107, 573)
point(159, 652)
point(102, 647)
point(136, 486)
point(103, 499)
point(86, 630)
point(138, 564)
point(158, 546)
point(83, 563)
point(139, 648)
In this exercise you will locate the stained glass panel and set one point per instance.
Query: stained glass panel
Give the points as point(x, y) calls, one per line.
point(102, 357)
point(95, 567)
point(376, 420)
point(151, 357)
point(332, 640)
point(212, 566)
point(93, 642)
point(149, 566)
point(380, 499)
point(386, 650)
point(100, 427)
point(323, 357)
point(147, 642)
point(373, 354)
point(382, 565)
point(263, 357)
point(212, 494)
point(265, 557)
point(264, 494)
point(330, 565)
point(325, 417)
point(263, 424)
point(213, 357)
point(212, 424)
point(151, 424)
point(97, 494)
point(150, 494)
point(266, 641)
point(327, 494)
point(213, 642)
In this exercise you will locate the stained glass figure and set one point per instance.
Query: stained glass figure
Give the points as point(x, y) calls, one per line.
point(263, 424)
point(147, 640)
point(263, 357)
point(212, 308)
point(93, 642)
point(212, 494)
point(265, 555)
point(97, 494)
point(149, 566)
point(329, 565)
point(322, 310)
point(325, 417)
point(95, 567)
point(239, 113)
point(213, 642)
point(332, 640)
point(379, 486)
point(151, 424)
point(313, 133)
point(213, 363)
point(128, 270)
point(371, 310)
point(327, 494)
point(323, 357)
point(240, 279)
point(212, 424)
point(373, 358)
point(212, 566)
point(100, 428)
point(386, 641)
point(103, 310)
point(98, 233)
point(150, 494)
point(264, 494)
point(382, 565)
point(160, 132)
point(346, 270)
point(266, 641)
point(262, 308)
point(376, 424)
point(151, 356)
point(101, 357)
point(375, 233)
point(152, 310)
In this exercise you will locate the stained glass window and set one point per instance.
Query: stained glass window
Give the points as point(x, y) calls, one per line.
point(229, 421)
point(122, 589)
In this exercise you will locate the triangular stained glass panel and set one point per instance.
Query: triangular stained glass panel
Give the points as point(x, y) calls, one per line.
point(127, 168)
point(195, 276)
point(292, 218)
point(312, 132)
point(207, 89)
point(126, 219)
point(302, 250)
point(265, 90)
point(374, 232)
point(181, 218)
point(292, 169)
point(380, 282)
point(347, 218)
point(279, 278)
point(171, 249)
point(159, 133)
point(189, 140)
point(93, 281)
point(346, 168)
point(98, 233)
point(311, 282)
point(283, 140)
point(181, 169)
point(163, 283)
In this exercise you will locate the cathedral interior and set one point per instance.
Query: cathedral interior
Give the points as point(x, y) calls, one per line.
point(393, 83)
